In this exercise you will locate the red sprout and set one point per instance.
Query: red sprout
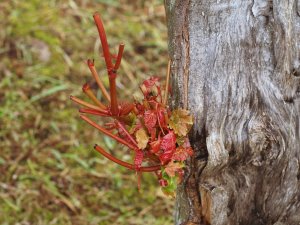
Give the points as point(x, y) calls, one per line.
point(104, 43)
point(143, 124)
point(112, 73)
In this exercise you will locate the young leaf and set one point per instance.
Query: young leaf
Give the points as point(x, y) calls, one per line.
point(150, 82)
point(173, 167)
point(141, 138)
point(180, 121)
point(150, 120)
point(151, 88)
point(168, 145)
point(171, 184)
point(169, 142)
point(182, 153)
point(155, 146)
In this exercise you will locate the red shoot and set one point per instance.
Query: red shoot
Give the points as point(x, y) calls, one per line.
point(155, 134)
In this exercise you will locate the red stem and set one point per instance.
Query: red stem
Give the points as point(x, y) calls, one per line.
point(113, 95)
point(87, 90)
point(104, 43)
point(119, 57)
point(97, 78)
point(110, 68)
point(94, 112)
point(86, 104)
point(127, 134)
point(125, 164)
point(103, 130)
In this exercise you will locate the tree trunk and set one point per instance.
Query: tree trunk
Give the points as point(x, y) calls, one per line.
point(236, 66)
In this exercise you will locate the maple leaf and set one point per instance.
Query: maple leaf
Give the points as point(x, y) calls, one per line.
point(150, 82)
point(165, 157)
point(150, 120)
point(151, 88)
point(155, 146)
point(180, 121)
point(168, 145)
point(182, 153)
point(169, 142)
point(161, 116)
point(173, 167)
point(169, 185)
point(141, 138)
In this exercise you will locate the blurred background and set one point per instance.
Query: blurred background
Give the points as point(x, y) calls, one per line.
point(49, 172)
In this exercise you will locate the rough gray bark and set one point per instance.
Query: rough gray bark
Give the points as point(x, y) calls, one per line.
point(236, 66)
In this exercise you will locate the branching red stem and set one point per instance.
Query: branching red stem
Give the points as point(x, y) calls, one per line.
point(119, 57)
point(103, 130)
point(110, 68)
point(97, 78)
point(125, 164)
point(86, 104)
point(127, 134)
point(113, 96)
point(87, 90)
point(104, 43)
point(95, 112)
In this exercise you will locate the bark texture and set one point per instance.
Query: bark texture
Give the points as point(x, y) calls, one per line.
point(236, 66)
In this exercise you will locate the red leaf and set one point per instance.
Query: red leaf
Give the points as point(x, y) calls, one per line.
point(169, 142)
point(155, 146)
point(168, 146)
point(150, 82)
point(151, 88)
point(182, 153)
point(165, 157)
point(150, 120)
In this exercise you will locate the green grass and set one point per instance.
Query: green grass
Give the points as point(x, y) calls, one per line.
point(49, 171)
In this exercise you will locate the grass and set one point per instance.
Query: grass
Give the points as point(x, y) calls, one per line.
point(49, 172)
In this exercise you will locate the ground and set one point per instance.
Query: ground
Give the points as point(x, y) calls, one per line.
point(50, 173)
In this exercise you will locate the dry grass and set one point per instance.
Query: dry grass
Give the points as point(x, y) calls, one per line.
point(49, 172)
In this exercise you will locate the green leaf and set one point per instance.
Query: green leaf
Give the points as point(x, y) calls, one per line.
point(49, 92)
point(170, 189)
